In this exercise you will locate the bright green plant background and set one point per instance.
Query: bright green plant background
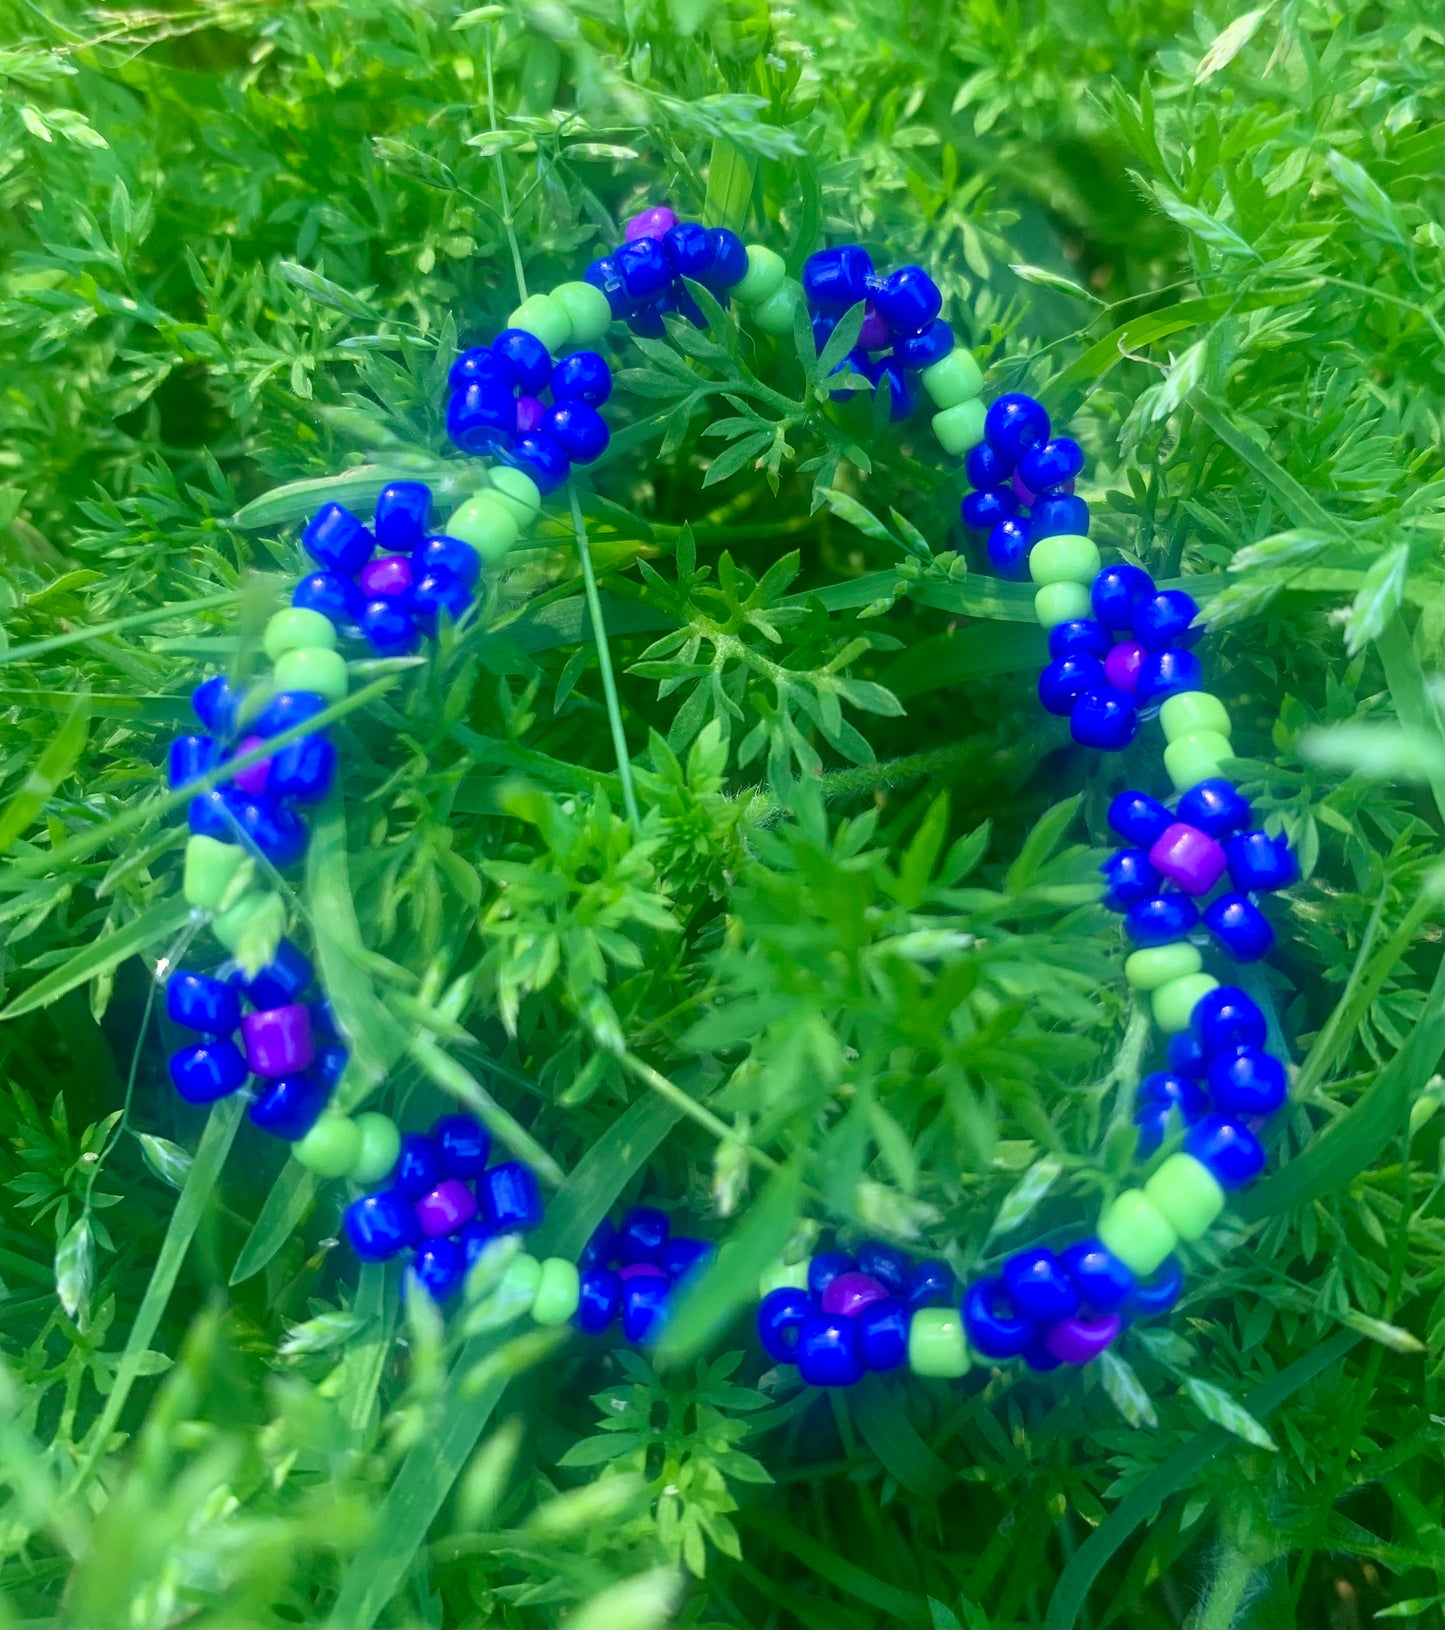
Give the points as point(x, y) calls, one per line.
point(242, 243)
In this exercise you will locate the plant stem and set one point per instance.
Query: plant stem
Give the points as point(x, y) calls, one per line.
point(502, 180)
point(690, 1106)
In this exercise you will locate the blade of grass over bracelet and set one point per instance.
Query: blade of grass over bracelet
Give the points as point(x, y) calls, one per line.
point(287, 1202)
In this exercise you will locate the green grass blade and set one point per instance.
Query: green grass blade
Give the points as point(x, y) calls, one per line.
point(291, 1197)
point(118, 625)
point(150, 928)
point(457, 1080)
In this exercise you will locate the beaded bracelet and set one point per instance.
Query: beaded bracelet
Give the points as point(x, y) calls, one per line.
point(1121, 653)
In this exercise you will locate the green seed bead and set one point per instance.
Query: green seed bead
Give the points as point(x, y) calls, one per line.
point(541, 315)
point(1156, 966)
point(517, 1289)
point(1187, 1194)
point(380, 1145)
point(1062, 603)
point(784, 1276)
point(952, 379)
point(313, 669)
point(210, 867)
point(558, 1291)
point(1137, 1232)
point(1173, 1003)
point(960, 428)
point(1192, 710)
point(1064, 559)
point(251, 929)
point(516, 492)
point(936, 1345)
point(298, 629)
point(331, 1146)
point(1196, 757)
point(587, 311)
point(486, 524)
point(763, 278)
point(775, 314)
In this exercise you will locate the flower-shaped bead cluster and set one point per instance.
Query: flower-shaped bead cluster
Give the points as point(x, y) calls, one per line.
point(643, 278)
point(629, 1272)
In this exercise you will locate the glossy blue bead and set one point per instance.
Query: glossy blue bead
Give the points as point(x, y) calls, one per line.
point(1174, 1091)
point(1138, 818)
point(603, 274)
point(402, 508)
point(644, 1305)
point(418, 1167)
point(323, 1023)
point(919, 351)
point(581, 430)
point(834, 279)
point(1187, 1056)
point(1129, 876)
point(336, 540)
point(780, 1317)
point(1163, 673)
point(525, 358)
point(214, 703)
point(641, 1234)
point(985, 466)
point(1037, 1287)
point(883, 1262)
point(1226, 1018)
point(1216, 807)
point(582, 377)
point(473, 1238)
point(1248, 1083)
point(1240, 927)
point(1230, 1150)
point(1051, 464)
point(303, 770)
point(825, 1268)
point(902, 398)
point(481, 416)
point(643, 267)
point(437, 593)
point(389, 627)
point(542, 456)
point(1081, 636)
point(987, 507)
point(464, 1144)
point(883, 1334)
point(730, 260)
point(276, 831)
point(1166, 618)
point(283, 980)
point(1116, 591)
point(855, 362)
point(289, 1106)
point(189, 759)
point(1152, 1122)
point(441, 553)
point(1058, 515)
point(335, 597)
point(329, 1065)
point(646, 320)
point(209, 815)
point(1259, 863)
point(1037, 1356)
point(688, 307)
point(601, 1250)
point(1159, 1292)
point(691, 250)
point(1161, 919)
point(207, 1071)
point(381, 1226)
point(599, 1296)
point(286, 710)
point(995, 1329)
point(681, 1256)
point(1014, 423)
point(828, 1351)
point(478, 366)
point(1102, 1281)
point(1064, 680)
point(1008, 550)
point(199, 1002)
point(511, 1201)
point(822, 325)
point(931, 1283)
point(908, 300)
point(1104, 718)
point(441, 1266)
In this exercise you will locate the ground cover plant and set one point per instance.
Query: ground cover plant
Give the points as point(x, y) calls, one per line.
point(845, 965)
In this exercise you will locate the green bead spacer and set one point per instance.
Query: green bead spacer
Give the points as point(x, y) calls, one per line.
point(763, 278)
point(1174, 1003)
point(1193, 710)
point(1156, 966)
point(486, 524)
point(775, 314)
point(936, 1345)
point(517, 1289)
point(298, 629)
point(1062, 603)
point(1134, 1229)
point(952, 379)
point(587, 311)
point(251, 929)
point(541, 315)
point(1067, 558)
point(315, 670)
point(1196, 757)
point(331, 1146)
point(784, 1276)
point(558, 1291)
point(210, 867)
point(516, 492)
point(1186, 1193)
point(380, 1145)
point(960, 428)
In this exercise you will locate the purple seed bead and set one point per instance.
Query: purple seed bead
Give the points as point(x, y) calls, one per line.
point(850, 1293)
point(278, 1040)
point(1083, 1337)
point(450, 1205)
point(651, 223)
point(1188, 857)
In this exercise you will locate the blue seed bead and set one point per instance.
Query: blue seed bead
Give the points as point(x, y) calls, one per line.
point(834, 279)
point(1174, 1091)
point(199, 1002)
point(214, 703)
point(780, 1317)
point(883, 1334)
point(1014, 423)
point(209, 815)
point(581, 430)
point(1240, 927)
point(1116, 591)
point(930, 1284)
point(582, 377)
point(1187, 1056)
point(599, 1296)
point(689, 307)
point(1152, 1122)
point(1138, 818)
point(691, 250)
point(283, 980)
point(1250, 1083)
point(1081, 636)
point(920, 351)
point(1129, 876)
point(335, 597)
point(1102, 1281)
point(1163, 673)
point(601, 1250)
point(902, 398)
point(207, 1071)
point(646, 320)
point(441, 1265)
point(1051, 464)
point(464, 1144)
point(389, 627)
point(855, 362)
point(885, 1263)
point(525, 358)
point(189, 759)
point(1037, 1355)
point(822, 326)
point(481, 416)
point(1161, 919)
point(1166, 618)
point(437, 592)
point(641, 1234)
point(825, 1268)
point(1037, 1287)
point(1159, 1292)
point(1062, 682)
point(908, 300)
point(323, 1023)
point(511, 1201)
point(681, 1256)
point(987, 507)
point(1228, 1148)
point(1105, 718)
point(1058, 515)
point(473, 1238)
point(441, 553)
point(1008, 550)
point(335, 539)
point(730, 260)
point(1216, 807)
point(418, 1167)
point(995, 1329)
point(1259, 863)
point(402, 508)
point(478, 366)
point(644, 1302)
point(542, 456)
point(286, 710)
point(828, 1351)
point(329, 1065)
point(603, 274)
point(1226, 1018)
point(381, 1226)
point(289, 1106)
point(303, 770)
point(643, 267)
point(985, 466)
point(274, 830)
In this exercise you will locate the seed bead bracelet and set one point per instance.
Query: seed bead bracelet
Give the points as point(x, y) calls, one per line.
point(1121, 655)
